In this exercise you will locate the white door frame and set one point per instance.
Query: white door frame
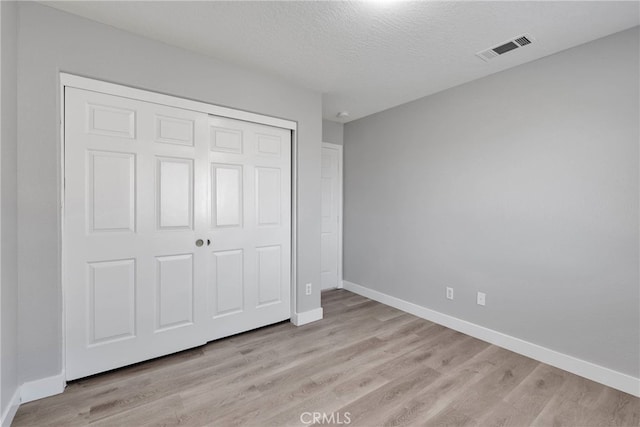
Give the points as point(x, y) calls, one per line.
point(339, 149)
point(94, 85)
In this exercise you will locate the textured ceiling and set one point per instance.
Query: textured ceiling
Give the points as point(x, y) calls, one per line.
point(368, 56)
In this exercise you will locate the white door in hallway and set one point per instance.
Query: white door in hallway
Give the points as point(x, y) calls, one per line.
point(176, 229)
point(331, 237)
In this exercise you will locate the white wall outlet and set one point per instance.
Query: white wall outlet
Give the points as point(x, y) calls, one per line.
point(449, 293)
point(308, 289)
point(482, 297)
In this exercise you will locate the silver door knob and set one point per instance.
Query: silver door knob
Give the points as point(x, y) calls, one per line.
point(199, 242)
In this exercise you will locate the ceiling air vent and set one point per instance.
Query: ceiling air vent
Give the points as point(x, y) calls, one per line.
point(505, 47)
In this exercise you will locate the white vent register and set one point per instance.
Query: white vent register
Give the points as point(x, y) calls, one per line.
point(505, 47)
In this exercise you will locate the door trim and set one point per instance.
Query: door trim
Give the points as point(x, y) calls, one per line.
point(340, 150)
point(85, 83)
point(172, 101)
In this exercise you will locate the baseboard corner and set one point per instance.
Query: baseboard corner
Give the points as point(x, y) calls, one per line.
point(11, 410)
point(305, 317)
point(45, 387)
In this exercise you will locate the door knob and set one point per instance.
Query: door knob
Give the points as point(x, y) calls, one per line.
point(199, 242)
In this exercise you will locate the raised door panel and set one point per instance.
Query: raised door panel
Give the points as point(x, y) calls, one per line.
point(269, 145)
point(269, 274)
point(226, 140)
point(174, 130)
point(111, 191)
point(327, 204)
point(227, 195)
point(227, 286)
point(112, 290)
point(175, 193)
point(174, 291)
point(111, 121)
point(328, 258)
point(268, 200)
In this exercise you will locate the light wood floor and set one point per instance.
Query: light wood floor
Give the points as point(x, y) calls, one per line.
point(365, 361)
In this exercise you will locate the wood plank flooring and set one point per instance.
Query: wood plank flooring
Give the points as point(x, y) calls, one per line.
point(365, 363)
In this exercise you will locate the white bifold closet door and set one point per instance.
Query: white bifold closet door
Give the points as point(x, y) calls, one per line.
point(177, 229)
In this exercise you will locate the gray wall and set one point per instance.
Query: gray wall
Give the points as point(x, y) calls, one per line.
point(8, 203)
point(332, 132)
point(51, 41)
point(523, 185)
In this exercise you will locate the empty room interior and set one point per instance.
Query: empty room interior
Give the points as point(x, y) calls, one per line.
point(291, 213)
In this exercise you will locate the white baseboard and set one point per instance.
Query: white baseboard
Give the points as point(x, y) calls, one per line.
point(580, 367)
point(45, 387)
point(10, 411)
point(305, 317)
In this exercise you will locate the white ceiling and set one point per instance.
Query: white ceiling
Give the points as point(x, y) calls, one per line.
point(365, 56)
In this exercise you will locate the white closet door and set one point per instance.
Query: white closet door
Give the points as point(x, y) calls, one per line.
point(135, 204)
point(177, 229)
point(250, 224)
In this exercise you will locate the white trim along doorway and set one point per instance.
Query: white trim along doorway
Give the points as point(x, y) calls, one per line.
point(178, 223)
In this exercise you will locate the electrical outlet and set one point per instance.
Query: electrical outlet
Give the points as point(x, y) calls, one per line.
point(482, 298)
point(449, 293)
point(308, 289)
